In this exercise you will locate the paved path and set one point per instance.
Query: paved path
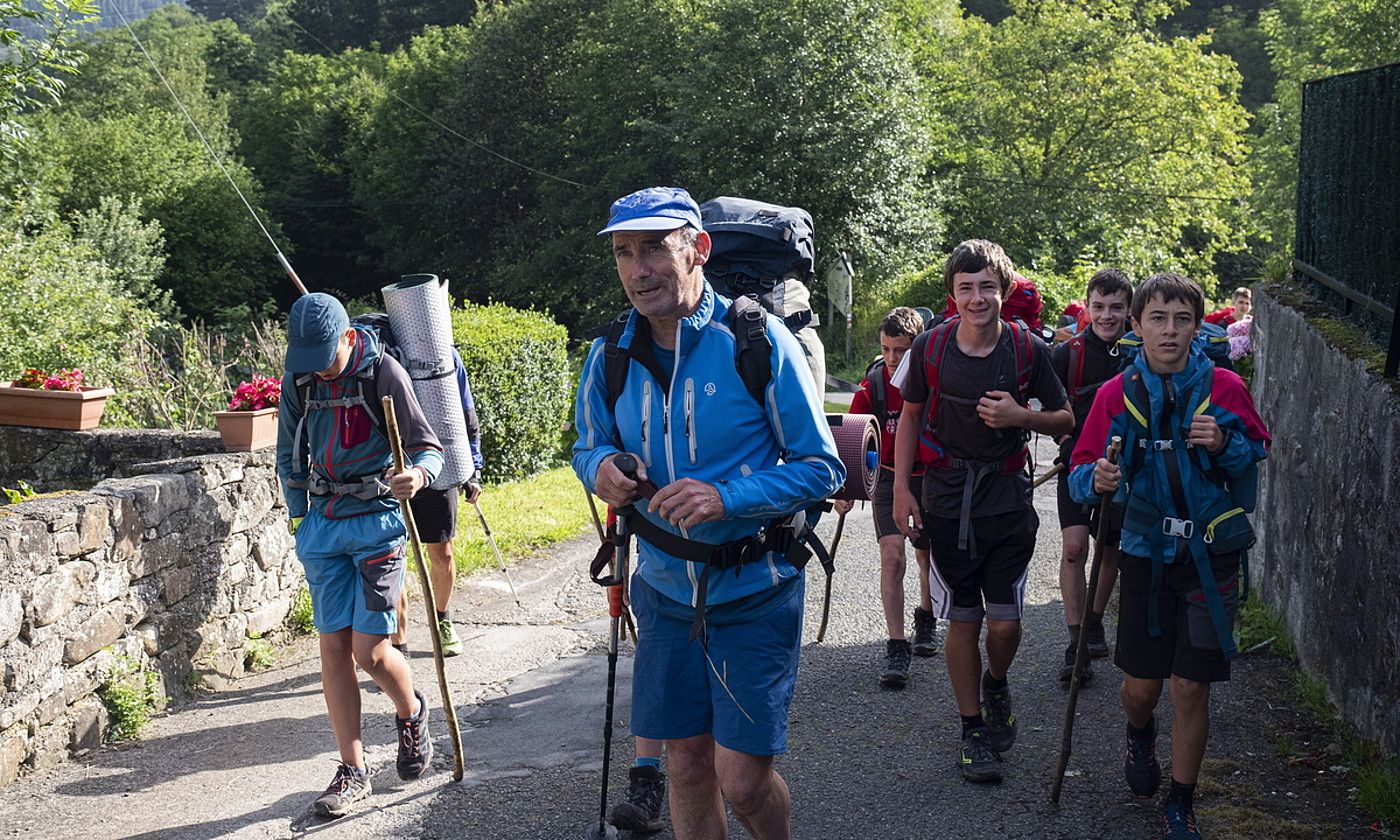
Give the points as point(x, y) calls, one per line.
point(863, 762)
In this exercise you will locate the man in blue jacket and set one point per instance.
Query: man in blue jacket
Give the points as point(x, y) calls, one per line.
point(717, 655)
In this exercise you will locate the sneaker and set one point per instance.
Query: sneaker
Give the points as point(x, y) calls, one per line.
point(1179, 822)
point(896, 673)
point(1140, 765)
point(447, 634)
point(980, 763)
point(646, 790)
point(415, 744)
point(1096, 642)
point(925, 633)
point(1001, 723)
point(1067, 672)
point(349, 786)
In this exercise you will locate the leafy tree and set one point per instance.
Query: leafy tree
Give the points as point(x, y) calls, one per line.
point(336, 25)
point(36, 51)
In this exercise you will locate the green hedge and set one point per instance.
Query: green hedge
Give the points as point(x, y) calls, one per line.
point(518, 365)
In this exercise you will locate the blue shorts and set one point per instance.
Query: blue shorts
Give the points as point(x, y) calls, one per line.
point(354, 569)
point(676, 694)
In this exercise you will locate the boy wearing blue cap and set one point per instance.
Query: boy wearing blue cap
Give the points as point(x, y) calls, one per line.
point(342, 492)
point(717, 652)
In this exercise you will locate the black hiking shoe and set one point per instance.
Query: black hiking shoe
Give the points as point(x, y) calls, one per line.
point(1001, 723)
point(896, 673)
point(415, 744)
point(646, 790)
point(1067, 672)
point(979, 762)
point(349, 786)
point(1140, 765)
point(1179, 822)
point(925, 633)
point(1096, 641)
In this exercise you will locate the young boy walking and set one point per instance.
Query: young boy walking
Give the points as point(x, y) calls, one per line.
point(966, 415)
point(1192, 440)
point(1084, 363)
point(342, 492)
point(880, 398)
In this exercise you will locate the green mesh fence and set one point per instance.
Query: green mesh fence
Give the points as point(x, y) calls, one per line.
point(1349, 188)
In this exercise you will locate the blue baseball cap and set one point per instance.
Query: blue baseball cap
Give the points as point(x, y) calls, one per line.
point(313, 330)
point(654, 208)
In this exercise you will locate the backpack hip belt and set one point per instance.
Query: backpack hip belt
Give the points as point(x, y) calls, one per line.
point(368, 487)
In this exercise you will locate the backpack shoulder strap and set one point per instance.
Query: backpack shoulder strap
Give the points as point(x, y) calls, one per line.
point(615, 361)
point(370, 391)
point(752, 347)
point(1024, 347)
point(875, 375)
point(1138, 404)
point(1075, 368)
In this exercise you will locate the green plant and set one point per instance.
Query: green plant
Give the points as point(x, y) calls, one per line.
point(518, 364)
point(131, 694)
point(301, 616)
point(1260, 624)
point(524, 515)
point(21, 493)
point(258, 653)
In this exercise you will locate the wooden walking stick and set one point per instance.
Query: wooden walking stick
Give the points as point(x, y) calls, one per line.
point(391, 429)
point(1047, 475)
point(1081, 652)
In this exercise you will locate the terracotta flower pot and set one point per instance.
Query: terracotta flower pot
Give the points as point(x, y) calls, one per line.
point(73, 410)
point(244, 431)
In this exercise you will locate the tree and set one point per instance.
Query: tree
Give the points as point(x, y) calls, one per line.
point(36, 51)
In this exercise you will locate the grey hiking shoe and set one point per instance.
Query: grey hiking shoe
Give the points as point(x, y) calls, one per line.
point(1067, 672)
point(1001, 723)
point(1096, 641)
point(415, 744)
point(896, 673)
point(349, 786)
point(978, 761)
point(925, 633)
point(1140, 765)
point(646, 790)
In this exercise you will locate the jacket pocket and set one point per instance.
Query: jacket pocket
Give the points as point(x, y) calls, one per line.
point(381, 578)
point(355, 426)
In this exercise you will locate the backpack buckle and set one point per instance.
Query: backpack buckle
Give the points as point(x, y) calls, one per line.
point(1162, 445)
point(1182, 528)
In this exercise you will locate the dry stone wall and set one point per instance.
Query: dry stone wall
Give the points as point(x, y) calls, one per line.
point(168, 568)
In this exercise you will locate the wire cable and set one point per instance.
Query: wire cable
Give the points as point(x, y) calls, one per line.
point(1110, 190)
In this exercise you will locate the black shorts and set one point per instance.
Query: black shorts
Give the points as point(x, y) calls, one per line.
point(1188, 646)
point(435, 514)
point(994, 584)
point(882, 502)
point(1073, 513)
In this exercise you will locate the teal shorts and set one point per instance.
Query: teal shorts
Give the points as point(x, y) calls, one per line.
point(354, 569)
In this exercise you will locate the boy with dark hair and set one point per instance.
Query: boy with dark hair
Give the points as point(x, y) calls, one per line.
point(966, 415)
point(879, 397)
point(1192, 440)
point(1084, 363)
point(343, 494)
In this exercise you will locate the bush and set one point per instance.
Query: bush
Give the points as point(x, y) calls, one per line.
point(518, 364)
point(131, 695)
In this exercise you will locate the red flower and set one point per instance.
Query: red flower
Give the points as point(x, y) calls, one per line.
point(62, 380)
point(256, 394)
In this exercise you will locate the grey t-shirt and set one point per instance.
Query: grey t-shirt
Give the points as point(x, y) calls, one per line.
point(963, 380)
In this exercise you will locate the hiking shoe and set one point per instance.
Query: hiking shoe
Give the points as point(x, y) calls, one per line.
point(349, 786)
point(1140, 765)
point(980, 763)
point(415, 744)
point(1096, 642)
point(896, 673)
point(447, 634)
point(646, 790)
point(1001, 723)
point(925, 633)
point(1179, 822)
point(1067, 672)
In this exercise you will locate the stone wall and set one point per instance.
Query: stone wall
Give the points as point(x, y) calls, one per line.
point(168, 569)
point(1329, 514)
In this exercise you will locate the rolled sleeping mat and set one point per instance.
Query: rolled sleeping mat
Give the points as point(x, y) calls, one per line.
point(858, 445)
point(420, 314)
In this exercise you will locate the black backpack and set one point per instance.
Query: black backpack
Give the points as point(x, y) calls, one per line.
point(879, 402)
point(763, 250)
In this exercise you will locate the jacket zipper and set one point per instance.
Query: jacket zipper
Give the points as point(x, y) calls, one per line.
point(670, 458)
point(646, 421)
point(690, 417)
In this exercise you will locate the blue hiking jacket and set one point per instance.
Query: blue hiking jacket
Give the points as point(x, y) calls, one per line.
point(766, 461)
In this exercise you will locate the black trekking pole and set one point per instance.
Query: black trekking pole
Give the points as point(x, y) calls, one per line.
point(1081, 648)
point(826, 600)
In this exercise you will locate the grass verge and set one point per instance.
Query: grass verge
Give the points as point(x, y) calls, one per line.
point(524, 516)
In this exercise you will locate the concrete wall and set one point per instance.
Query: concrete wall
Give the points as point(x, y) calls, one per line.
point(171, 567)
point(1329, 514)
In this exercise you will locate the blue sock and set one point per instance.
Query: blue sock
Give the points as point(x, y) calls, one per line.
point(648, 762)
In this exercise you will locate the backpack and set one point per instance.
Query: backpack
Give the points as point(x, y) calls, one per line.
point(1074, 384)
point(1023, 303)
point(763, 250)
point(1211, 339)
point(879, 402)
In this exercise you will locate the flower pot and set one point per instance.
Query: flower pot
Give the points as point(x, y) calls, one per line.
point(73, 410)
point(244, 431)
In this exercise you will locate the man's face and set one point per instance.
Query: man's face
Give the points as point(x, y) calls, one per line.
point(1242, 306)
point(342, 356)
point(1166, 329)
point(661, 273)
point(1108, 314)
point(893, 348)
point(978, 297)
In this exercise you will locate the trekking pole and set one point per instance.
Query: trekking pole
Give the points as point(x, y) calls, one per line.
point(391, 427)
point(499, 559)
point(826, 601)
point(593, 509)
point(1047, 475)
point(1081, 651)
